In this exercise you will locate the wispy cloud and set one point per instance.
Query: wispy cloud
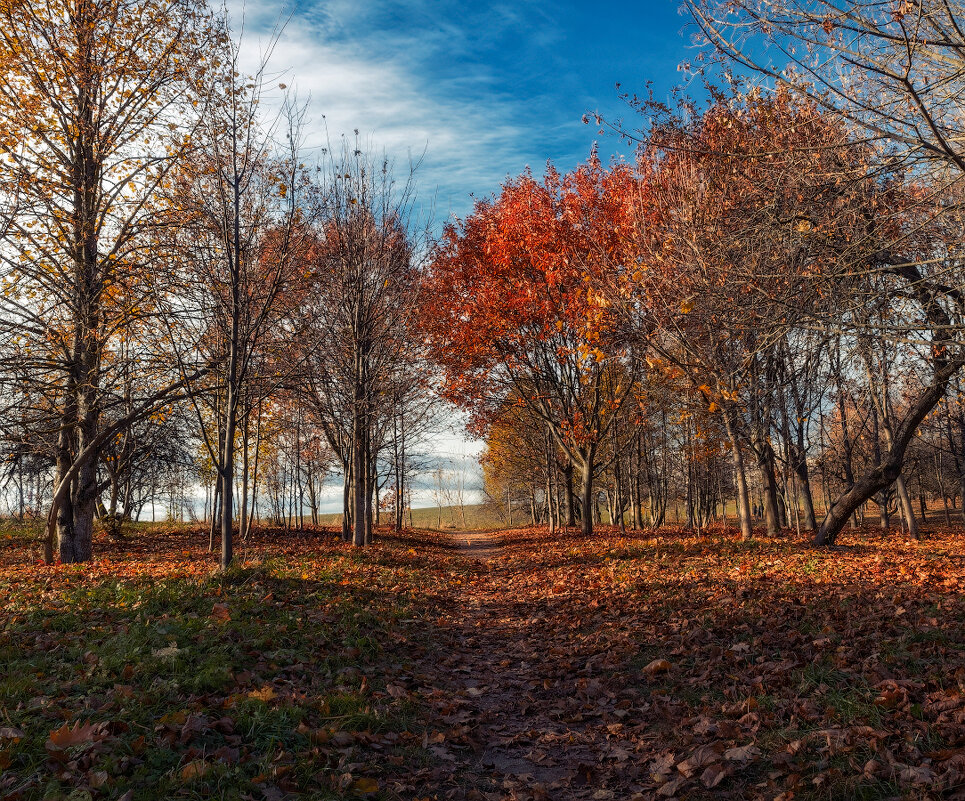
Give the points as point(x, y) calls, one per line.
point(415, 80)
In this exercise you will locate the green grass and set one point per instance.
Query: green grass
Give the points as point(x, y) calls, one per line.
point(276, 692)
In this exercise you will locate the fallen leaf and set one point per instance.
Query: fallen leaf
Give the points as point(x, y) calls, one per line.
point(703, 756)
point(889, 699)
point(713, 775)
point(98, 778)
point(670, 789)
point(194, 770)
point(81, 734)
point(364, 785)
point(657, 666)
point(743, 753)
point(265, 694)
point(920, 775)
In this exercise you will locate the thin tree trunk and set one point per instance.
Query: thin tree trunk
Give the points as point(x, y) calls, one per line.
point(743, 494)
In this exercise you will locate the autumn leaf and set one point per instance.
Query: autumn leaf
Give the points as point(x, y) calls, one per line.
point(195, 769)
point(99, 778)
point(714, 775)
point(888, 699)
point(80, 734)
point(364, 785)
point(656, 667)
point(266, 694)
point(671, 788)
point(703, 756)
point(744, 753)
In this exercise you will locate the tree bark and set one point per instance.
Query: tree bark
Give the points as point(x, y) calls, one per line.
point(743, 495)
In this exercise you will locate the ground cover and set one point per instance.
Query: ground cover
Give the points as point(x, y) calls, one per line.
point(481, 665)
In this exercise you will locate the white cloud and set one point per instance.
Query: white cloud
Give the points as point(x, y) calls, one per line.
point(357, 76)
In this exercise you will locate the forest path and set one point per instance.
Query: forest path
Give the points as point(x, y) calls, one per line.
point(500, 722)
point(482, 545)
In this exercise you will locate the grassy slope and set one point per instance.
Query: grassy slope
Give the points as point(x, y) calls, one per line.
point(477, 516)
point(270, 678)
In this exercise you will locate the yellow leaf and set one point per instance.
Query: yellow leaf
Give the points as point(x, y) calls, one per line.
point(365, 785)
point(265, 694)
point(194, 770)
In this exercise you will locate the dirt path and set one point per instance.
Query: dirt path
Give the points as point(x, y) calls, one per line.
point(501, 725)
point(481, 545)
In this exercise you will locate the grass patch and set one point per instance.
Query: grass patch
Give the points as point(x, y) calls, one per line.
point(195, 684)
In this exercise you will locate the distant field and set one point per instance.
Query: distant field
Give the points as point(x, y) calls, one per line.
point(476, 516)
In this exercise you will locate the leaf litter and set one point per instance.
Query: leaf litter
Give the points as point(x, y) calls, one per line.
point(627, 666)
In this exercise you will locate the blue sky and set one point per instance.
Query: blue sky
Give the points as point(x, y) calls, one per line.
point(483, 89)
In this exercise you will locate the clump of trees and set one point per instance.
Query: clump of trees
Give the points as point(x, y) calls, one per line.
point(763, 285)
point(180, 285)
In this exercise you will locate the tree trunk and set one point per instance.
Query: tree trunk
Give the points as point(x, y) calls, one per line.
point(568, 493)
point(740, 473)
point(360, 475)
point(346, 500)
point(245, 437)
point(765, 464)
point(550, 510)
point(804, 478)
point(906, 508)
point(587, 493)
point(883, 475)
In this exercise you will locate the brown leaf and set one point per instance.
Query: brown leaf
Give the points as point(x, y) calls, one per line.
point(98, 778)
point(364, 785)
point(320, 736)
point(81, 734)
point(10, 733)
point(714, 775)
point(656, 667)
point(703, 756)
point(889, 699)
point(220, 613)
point(921, 775)
point(670, 789)
point(662, 765)
point(743, 753)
